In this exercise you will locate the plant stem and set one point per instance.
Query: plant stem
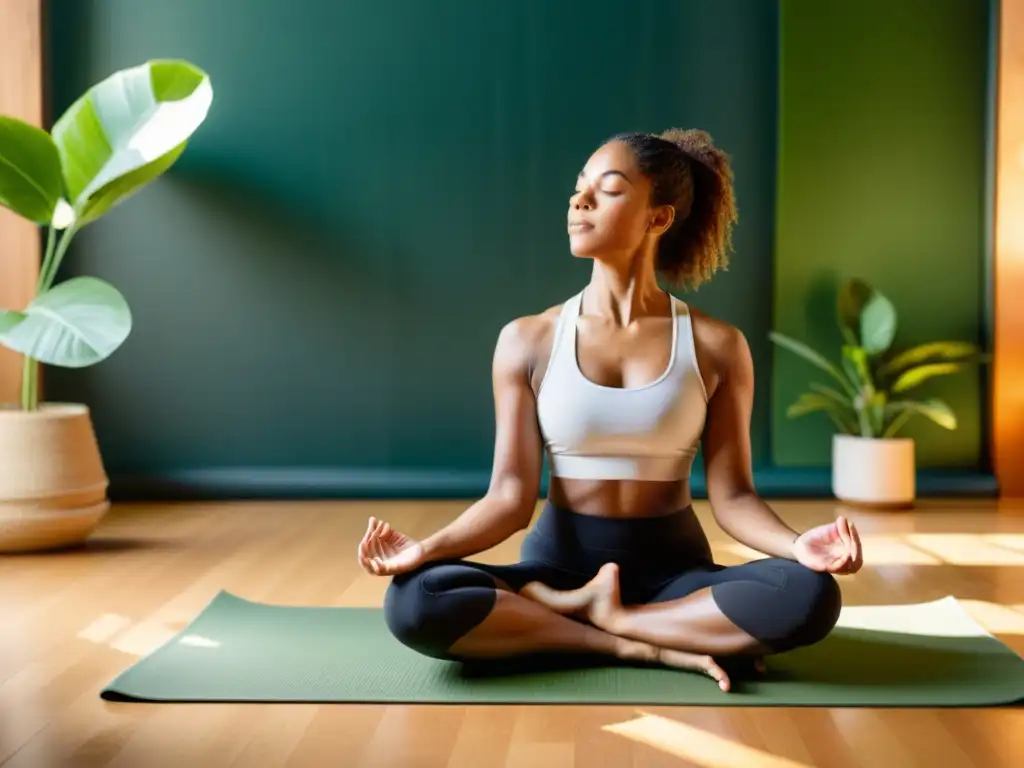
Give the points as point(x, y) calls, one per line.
point(30, 367)
point(54, 257)
point(29, 396)
point(864, 420)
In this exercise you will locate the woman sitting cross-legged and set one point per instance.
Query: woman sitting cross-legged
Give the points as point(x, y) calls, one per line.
point(619, 385)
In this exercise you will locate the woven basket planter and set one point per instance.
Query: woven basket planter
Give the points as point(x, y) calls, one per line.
point(53, 486)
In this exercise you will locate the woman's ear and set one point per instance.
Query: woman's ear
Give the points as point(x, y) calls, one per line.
point(661, 219)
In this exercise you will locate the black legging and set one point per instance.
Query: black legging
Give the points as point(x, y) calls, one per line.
point(780, 603)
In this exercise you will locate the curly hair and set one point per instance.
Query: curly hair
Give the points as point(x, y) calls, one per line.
point(688, 172)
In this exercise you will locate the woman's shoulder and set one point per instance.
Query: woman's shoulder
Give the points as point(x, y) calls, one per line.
point(713, 330)
point(718, 343)
point(529, 337)
point(525, 341)
point(532, 330)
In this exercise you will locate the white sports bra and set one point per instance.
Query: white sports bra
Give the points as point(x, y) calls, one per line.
point(596, 432)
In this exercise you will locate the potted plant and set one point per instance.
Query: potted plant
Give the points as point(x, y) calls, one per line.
point(871, 463)
point(121, 134)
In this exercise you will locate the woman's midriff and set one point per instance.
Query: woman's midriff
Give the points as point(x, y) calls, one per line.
point(619, 498)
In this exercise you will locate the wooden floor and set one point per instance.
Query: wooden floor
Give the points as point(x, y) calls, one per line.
point(71, 622)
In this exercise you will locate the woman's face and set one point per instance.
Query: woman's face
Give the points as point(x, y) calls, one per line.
point(609, 212)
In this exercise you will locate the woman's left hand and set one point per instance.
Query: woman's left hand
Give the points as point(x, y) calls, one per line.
point(832, 547)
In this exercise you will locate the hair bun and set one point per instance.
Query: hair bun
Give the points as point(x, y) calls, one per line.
point(694, 142)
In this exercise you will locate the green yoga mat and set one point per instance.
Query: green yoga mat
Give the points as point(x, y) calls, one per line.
point(928, 655)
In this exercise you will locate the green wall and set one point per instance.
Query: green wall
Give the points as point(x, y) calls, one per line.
point(881, 174)
point(318, 284)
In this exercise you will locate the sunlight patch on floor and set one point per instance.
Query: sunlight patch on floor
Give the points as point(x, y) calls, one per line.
point(1009, 540)
point(998, 619)
point(700, 747)
point(968, 549)
point(965, 549)
point(892, 550)
point(142, 639)
point(947, 617)
point(119, 633)
point(104, 628)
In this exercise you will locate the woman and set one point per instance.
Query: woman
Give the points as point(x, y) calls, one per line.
point(619, 385)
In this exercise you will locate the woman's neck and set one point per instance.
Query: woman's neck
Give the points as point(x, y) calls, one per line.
point(625, 291)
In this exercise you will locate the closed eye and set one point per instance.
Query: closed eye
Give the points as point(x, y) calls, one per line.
point(609, 192)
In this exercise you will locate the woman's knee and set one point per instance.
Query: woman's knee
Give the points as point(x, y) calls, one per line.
point(786, 607)
point(820, 601)
point(430, 608)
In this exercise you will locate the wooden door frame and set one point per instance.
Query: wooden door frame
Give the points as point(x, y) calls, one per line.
point(21, 95)
point(1007, 278)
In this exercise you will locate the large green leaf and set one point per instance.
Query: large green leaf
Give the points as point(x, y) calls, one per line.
point(866, 316)
point(112, 194)
point(934, 351)
point(812, 402)
point(808, 354)
point(844, 401)
point(843, 411)
point(935, 409)
point(77, 323)
point(878, 325)
point(127, 130)
point(914, 377)
point(30, 175)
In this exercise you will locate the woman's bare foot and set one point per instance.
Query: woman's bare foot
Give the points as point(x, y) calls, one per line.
point(565, 602)
point(597, 601)
point(633, 650)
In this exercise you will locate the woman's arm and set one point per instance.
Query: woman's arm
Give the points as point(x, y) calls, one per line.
point(726, 446)
point(508, 505)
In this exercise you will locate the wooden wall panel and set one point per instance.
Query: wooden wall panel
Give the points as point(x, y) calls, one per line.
point(21, 95)
point(1008, 372)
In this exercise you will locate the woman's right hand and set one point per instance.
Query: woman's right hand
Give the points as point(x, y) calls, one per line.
point(386, 552)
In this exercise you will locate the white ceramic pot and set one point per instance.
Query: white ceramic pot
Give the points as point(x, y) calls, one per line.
point(53, 487)
point(874, 471)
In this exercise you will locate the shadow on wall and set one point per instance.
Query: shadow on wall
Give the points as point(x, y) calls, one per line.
point(820, 306)
point(309, 249)
point(245, 300)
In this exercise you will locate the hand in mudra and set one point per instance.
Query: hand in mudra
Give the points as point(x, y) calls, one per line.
point(833, 547)
point(386, 552)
